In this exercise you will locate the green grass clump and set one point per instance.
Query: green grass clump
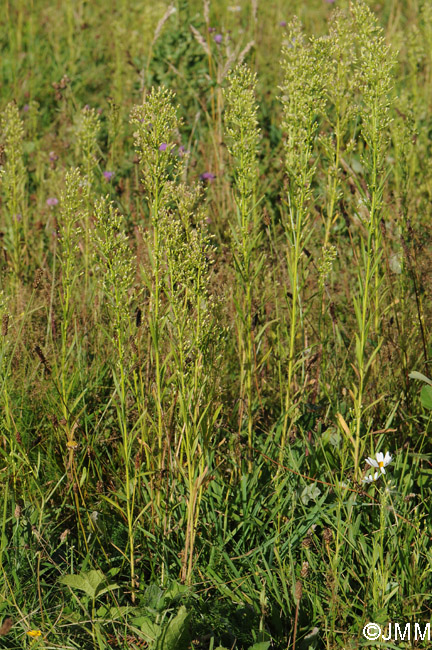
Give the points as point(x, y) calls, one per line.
point(214, 306)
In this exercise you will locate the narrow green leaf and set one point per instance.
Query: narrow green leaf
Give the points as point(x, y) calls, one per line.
point(418, 375)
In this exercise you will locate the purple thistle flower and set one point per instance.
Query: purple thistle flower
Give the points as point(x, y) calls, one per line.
point(52, 201)
point(108, 175)
point(211, 29)
point(207, 176)
point(218, 38)
point(26, 107)
point(283, 23)
point(163, 146)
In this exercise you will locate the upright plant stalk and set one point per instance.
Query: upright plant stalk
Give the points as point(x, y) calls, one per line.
point(375, 67)
point(118, 276)
point(114, 131)
point(302, 100)
point(13, 181)
point(186, 245)
point(156, 126)
point(341, 111)
point(241, 126)
point(404, 134)
point(71, 210)
point(88, 131)
point(7, 420)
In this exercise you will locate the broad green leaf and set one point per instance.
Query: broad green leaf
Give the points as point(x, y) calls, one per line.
point(92, 583)
point(175, 590)
point(310, 493)
point(262, 645)
point(176, 632)
point(78, 582)
point(149, 629)
point(426, 397)
point(154, 598)
point(105, 611)
point(110, 587)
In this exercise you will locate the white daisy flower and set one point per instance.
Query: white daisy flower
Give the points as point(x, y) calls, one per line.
point(381, 461)
point(371, 478)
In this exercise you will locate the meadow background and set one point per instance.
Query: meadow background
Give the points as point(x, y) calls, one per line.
point(215, 228)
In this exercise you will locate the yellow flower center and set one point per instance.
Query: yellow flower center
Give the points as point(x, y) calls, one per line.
point(381, 464)
point(34, 633)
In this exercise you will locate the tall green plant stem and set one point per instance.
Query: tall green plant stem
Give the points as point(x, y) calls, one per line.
point(363, 322)
point(333, 184)
point(294, 252)
point(156, 324)
point(118, 278)
point(376, 64)
point(157, 127)
point(126, 439)
point(189, 412)
point(14, 181)
point(248, 366)
point(303, 100)
point(242, 128)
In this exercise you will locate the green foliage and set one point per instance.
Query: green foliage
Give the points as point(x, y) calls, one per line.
point(93, 583)
point(426, 391)
point(155, 138)
point(115, 262)
point(242, 129)
point(241, 126)
point(13, 180)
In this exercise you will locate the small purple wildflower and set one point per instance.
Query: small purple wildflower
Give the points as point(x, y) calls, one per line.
point(207, 176)
point(211, 29)
point(108, 175)
point(52, 201)
point(218, 38)
point(26, 108)
point(329, 1)
point(53, 156)
point(163, 146)
point(283, 23)
point(18, 217)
